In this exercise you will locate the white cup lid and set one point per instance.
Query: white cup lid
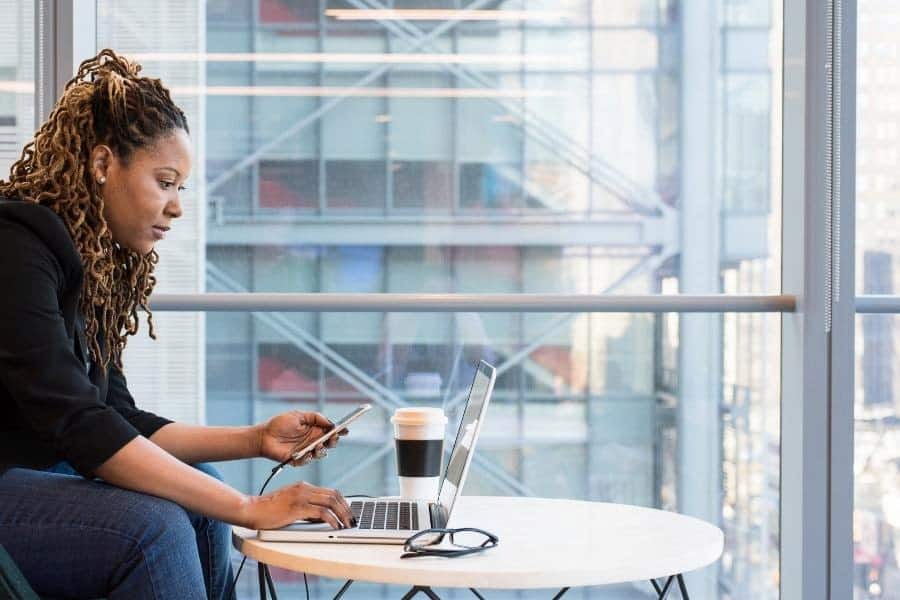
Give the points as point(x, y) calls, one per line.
point(424, 415)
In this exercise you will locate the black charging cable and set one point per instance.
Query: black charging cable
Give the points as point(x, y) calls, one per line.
point(275, 470)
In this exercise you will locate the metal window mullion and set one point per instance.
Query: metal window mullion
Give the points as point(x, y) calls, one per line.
point(520, 375)
point(387, 201)
point(842, 302)
point(253, 331)
point(319, 332)
point(319, 134)
point(817, 417)
point(523, 107)
point(455, 169)
point(64, 37)
point(592, 95)
point(803, 514)
point(44, 43)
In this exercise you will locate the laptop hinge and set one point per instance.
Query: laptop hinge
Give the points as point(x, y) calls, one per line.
point(438, 514)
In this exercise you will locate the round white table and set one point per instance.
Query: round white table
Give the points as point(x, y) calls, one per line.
point(544, 543)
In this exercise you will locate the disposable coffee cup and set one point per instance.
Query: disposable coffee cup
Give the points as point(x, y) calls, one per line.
point(419, 438)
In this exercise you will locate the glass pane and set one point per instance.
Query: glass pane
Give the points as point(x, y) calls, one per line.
point(747, 13)
point(876, 514)
point(747, 170)
point(876, 507)
point(552, 148)
point(16, 82)
point(877, 150)
point(626, 12)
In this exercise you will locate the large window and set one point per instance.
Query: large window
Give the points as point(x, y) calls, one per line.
point(588, 148)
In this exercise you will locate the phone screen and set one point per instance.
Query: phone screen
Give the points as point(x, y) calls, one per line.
point(338, 425)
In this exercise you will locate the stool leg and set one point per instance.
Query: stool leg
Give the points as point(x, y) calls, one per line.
point(682, 587)
point(560, 593)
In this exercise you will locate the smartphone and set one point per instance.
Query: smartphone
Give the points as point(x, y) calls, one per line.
point(339, 425)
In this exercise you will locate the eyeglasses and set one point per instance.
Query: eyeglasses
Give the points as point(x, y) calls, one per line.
point(467, 540)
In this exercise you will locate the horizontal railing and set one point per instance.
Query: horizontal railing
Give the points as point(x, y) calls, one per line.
point(556, 303)
point(878, 304)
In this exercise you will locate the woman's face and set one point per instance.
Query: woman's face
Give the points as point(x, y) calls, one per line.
point(142, 196)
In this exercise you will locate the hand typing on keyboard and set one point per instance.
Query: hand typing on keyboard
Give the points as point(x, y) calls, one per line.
point(298, 501)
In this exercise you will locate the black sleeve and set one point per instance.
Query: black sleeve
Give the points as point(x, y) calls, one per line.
point(118, 396)
point(38, 366)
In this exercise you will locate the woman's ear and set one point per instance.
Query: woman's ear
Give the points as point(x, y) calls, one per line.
point(101, 158)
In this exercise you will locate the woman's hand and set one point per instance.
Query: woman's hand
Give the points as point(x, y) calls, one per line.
point(285, 433)
point(295, 502)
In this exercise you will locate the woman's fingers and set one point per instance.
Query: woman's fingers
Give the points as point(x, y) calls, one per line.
point(314, 419)
point(327, 515)
point(330, 502)
point(300, 501)
point(306, 458)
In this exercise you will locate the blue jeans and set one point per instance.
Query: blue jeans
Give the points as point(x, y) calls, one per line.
point(82, 538)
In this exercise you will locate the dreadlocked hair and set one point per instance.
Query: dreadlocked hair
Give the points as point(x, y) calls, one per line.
point(105, 103)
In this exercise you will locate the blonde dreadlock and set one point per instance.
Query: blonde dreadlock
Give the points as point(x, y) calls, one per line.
point(106, 103)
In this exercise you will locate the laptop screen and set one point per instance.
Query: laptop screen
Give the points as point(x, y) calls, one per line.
point(466, 435)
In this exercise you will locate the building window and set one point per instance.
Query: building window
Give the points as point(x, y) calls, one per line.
point(423, 185)
point(355, 184)
point(292, 184)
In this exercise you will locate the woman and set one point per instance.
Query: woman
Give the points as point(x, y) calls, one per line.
point(99, 498)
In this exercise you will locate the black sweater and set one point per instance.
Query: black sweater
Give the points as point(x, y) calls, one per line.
point(54, 403)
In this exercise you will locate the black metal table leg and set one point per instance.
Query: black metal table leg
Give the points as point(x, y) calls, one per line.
point(421, 588)
point(663, 591)
point(343, 589)
point(269, 582)
point(261, 575)
point(265, 581)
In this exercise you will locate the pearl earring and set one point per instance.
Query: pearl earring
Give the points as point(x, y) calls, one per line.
point(101, 180)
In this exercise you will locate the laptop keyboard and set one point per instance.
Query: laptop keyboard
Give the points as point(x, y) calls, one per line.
point(393, 515)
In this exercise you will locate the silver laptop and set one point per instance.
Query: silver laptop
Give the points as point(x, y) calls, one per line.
point(391, 521)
